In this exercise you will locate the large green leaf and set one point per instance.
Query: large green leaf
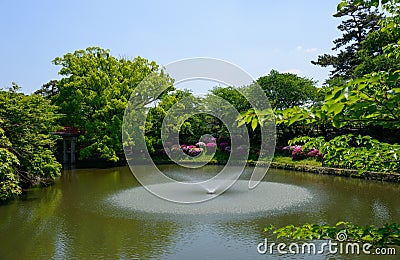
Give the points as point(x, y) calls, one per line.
point(335, 108)
point(254, 123)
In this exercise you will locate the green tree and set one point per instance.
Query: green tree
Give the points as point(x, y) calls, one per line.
point(286, 90)
point(9, 184)
point(48, 90)
point(362, 20)
point(233, 96)
point(370, 101)
point(93, 94)
point(371, 54)
point(157, 114)
point(26, 143)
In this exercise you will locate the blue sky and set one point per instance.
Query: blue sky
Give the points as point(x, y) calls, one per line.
point(256, 35)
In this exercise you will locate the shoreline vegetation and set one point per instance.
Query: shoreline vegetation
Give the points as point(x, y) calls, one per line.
point(305, 166)
point(351, 121)
point(346, 127)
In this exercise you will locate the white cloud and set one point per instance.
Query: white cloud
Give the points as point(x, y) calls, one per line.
point(306, 50)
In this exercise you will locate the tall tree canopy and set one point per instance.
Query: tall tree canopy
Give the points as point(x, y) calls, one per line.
point(233, 96)
point(93, 95)
point(26, 143)
point(48, 89)
point(286, 90)
point(360, 21)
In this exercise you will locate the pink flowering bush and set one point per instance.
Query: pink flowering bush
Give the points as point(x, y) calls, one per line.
point(314, 153)
point(297, 153)
point(176, 150)
point(193, 152)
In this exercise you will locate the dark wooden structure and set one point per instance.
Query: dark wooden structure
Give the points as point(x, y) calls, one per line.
point(70, 136)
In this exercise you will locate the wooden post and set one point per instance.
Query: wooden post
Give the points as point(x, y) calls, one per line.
point(66, 157)
point(73, 140)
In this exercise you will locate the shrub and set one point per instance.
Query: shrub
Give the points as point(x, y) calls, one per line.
point(193, 152)
point(297, 152)
point(377, 236)
point(351, 152)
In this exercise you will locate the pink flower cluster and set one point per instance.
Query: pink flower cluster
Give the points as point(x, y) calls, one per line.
point(208, 146)
point(297, 152)
point(191, 150)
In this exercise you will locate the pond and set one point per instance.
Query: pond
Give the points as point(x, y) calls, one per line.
point(105, 213)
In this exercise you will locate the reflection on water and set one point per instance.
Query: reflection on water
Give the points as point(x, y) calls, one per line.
point(70, 219)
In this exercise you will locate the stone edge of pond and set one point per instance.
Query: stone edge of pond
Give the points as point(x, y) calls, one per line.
point(369, 175)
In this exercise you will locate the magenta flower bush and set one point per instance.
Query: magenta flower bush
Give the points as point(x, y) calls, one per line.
point(314, 153)
point(185, 148)
point(207, 145)
point(193, 152)
point(297, 153)
point(176, 150)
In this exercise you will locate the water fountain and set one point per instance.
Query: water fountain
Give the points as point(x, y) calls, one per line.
point(211, 191)
point(267, 198)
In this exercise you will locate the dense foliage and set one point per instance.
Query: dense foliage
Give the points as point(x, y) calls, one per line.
point(9, 184)
point(354, 152)
point(26, 143)
point(366, 106)
point(93, 95)
point(156, 117)
point(233, 96)
point(286, 90)
point(334, 122)
point(389, 234)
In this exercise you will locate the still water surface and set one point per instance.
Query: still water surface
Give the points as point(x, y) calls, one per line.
point(81, 217)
